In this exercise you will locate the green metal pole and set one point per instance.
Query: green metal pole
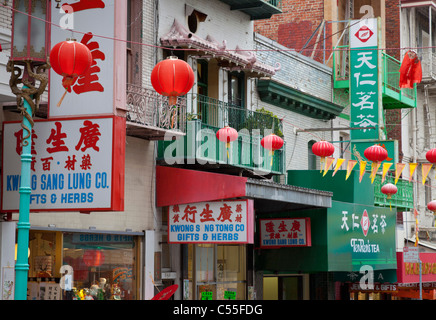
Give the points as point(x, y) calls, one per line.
point(23, 226)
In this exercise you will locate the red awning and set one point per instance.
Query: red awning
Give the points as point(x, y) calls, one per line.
point(181, 186)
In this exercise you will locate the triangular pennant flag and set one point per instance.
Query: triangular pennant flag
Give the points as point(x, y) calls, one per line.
point(338, 165)
point(425, 170)
point(350, 166)
point(386, 166)
point(328, 163)
point(398, 169)
point(374, 169)
point(362, 169)
point(412, 167)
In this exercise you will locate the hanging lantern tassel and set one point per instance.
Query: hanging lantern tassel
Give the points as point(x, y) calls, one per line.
point(67, 82)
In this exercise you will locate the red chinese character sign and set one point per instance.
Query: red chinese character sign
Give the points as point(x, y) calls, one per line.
point(211, 222)
point(77, 164)
point(285, 232)
point(93, 91)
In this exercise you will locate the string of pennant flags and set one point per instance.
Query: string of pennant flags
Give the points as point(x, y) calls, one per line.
point(386, 166)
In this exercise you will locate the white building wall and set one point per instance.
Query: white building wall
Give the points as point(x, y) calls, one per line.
point(312, 78)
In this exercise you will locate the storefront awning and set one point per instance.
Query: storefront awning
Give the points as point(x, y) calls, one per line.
point(181, 186)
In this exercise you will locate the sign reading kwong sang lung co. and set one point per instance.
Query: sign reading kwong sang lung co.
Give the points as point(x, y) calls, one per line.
point(75, 165)
point(211, 222)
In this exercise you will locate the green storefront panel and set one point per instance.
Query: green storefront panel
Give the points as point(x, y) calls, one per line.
point(360, 235)
point(349, 190)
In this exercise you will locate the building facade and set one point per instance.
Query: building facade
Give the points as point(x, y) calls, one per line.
point(185, 208)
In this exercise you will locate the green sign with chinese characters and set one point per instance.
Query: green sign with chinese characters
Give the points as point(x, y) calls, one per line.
point(230, 295)
point(360, 235)
point(365, 82)
point(207, 295)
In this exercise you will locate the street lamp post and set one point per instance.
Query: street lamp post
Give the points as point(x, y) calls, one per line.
point(28, 65)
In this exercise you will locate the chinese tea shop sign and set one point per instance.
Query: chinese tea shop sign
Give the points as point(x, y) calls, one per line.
point(77, 165)
point(276, 233)
point(365, 84)
point(211, 222)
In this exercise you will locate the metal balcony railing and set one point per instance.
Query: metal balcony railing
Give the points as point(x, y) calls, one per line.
point(391, 78)
point(200, 143)
point(393, 96)
point(428, 64)
point(148, 108)
point(216, 113)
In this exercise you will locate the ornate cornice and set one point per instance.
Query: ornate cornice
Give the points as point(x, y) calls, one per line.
point(236, 59)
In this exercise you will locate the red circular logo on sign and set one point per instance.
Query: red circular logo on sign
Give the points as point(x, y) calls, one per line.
point(364, 34)
point(365, 223)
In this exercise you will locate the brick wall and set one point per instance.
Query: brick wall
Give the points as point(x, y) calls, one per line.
point(392, 35)
point(392, 40)
point(294, 27)
point(6, 15)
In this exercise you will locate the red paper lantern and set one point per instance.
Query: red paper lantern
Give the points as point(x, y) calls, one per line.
point(323, 149)
point(172, 78)
point(93, 258)
point(70, 59)
point(431, 155)
point(389, 189)
point(227, 134)
point(375, 153)
point(432, 206)
point(272, 142)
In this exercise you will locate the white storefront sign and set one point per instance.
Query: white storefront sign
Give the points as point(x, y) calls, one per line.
point(71, 166)
point(211, 222)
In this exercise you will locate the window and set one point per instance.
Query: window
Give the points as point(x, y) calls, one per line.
point(102, 263)
point(311, 156)
point(102, 266)
point(236, 99)
point(215, 272)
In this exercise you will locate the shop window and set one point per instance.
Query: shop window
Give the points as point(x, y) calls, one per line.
point(104, 265)
point(220, 272)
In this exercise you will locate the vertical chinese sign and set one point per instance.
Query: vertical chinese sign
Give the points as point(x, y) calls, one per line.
point(365, 82)
point(211, 222)
point(92, 22)
point(74, 165)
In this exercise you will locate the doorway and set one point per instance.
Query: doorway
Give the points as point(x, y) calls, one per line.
point(283, 288)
